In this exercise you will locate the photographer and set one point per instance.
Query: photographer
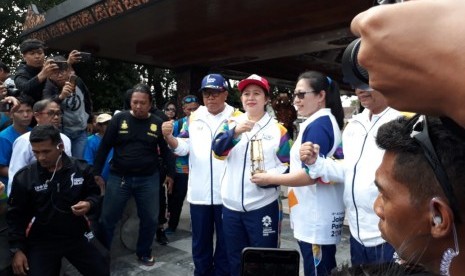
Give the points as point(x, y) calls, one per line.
point(74, 98)
point(7, 83)
point(414, 56)
point(30, 76)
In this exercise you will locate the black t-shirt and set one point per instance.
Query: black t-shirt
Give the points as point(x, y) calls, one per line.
point(137, 144)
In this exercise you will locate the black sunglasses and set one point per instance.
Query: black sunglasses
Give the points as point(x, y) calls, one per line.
point(420, 134)
point(301, 94)
point(214, 94)
point(190, 99)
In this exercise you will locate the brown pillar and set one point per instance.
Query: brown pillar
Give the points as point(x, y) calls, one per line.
point(188, 81)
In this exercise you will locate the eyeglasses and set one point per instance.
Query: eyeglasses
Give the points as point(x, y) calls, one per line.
point(190, 99)
point(52, 113)
point(171, 109)
point(215, 94)
point(421, 135)
point(301, 94)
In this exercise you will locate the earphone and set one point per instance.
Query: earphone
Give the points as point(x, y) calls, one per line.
point(437, 220)
point(58, 145)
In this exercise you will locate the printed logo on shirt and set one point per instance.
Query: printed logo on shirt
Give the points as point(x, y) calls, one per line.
point(337, 224)
point(41, 188)
point(123, 127)
point(152, 132)
point(267, 229)
point(267, 137)
point(76, 181)
point(153, 127)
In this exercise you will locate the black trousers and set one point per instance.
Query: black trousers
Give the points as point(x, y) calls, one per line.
point(44, 257)
point(176, 199)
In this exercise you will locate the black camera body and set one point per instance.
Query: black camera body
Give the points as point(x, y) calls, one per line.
point(353, 73)
point(11, 90)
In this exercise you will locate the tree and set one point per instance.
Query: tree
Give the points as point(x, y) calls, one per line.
point(107, 80)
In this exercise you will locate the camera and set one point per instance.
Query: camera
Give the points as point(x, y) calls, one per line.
point(85, 56)
point(11, 90)
point(353, 73)
point(5, 107)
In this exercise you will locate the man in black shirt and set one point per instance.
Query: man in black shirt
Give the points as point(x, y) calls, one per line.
point(57, 191)
point(137, 141)
point(30, 76)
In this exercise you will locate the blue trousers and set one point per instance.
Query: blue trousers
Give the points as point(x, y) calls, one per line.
point(257, 228)
point(324, 265)
point(207, 219)
point(145, 190)
point(360, 254)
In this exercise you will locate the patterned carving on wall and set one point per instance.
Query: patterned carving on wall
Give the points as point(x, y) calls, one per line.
point(104, 10)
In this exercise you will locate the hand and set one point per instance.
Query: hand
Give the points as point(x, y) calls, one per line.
point(67, 90)
point(243, 126)
point(2, 187)
point(261, 179)
point(19, 263)
point(74, 57)
point(401, 46)
point(169, 182)
point(309, 153)
point(49, 68)
point(167, 128)
point(81, 208)
point(101, 183)
point(13, 102)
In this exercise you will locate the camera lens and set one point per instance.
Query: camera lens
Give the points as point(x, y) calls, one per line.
point(354, 74)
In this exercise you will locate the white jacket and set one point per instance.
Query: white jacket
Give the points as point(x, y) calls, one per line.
point(362, 158)
point(237, 191)
point(196, 140)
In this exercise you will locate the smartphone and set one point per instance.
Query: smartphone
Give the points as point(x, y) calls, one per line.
point(258, 261)
point(85, 56)
point(72, 79)
point(62, 65)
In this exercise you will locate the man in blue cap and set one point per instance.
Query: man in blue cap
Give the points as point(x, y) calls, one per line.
point(203, 192)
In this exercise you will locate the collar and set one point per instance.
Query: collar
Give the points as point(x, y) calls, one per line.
point(319, 113)
point(202, 113)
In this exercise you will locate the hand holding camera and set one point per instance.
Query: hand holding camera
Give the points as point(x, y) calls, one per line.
point(69, 88)
point(49, 68)
point(8, 104)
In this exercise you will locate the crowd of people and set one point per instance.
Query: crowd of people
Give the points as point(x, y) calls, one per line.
point(398, 179)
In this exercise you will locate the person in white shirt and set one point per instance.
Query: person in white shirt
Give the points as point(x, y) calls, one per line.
point(316, 207)
point(203, 192)
point(361, 159)
point(251, 213)
point(45, 112)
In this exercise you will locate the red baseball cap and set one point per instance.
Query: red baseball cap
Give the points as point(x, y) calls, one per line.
point(254, 79)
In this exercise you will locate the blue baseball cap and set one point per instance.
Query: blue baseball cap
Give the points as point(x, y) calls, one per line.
point(214, 81)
